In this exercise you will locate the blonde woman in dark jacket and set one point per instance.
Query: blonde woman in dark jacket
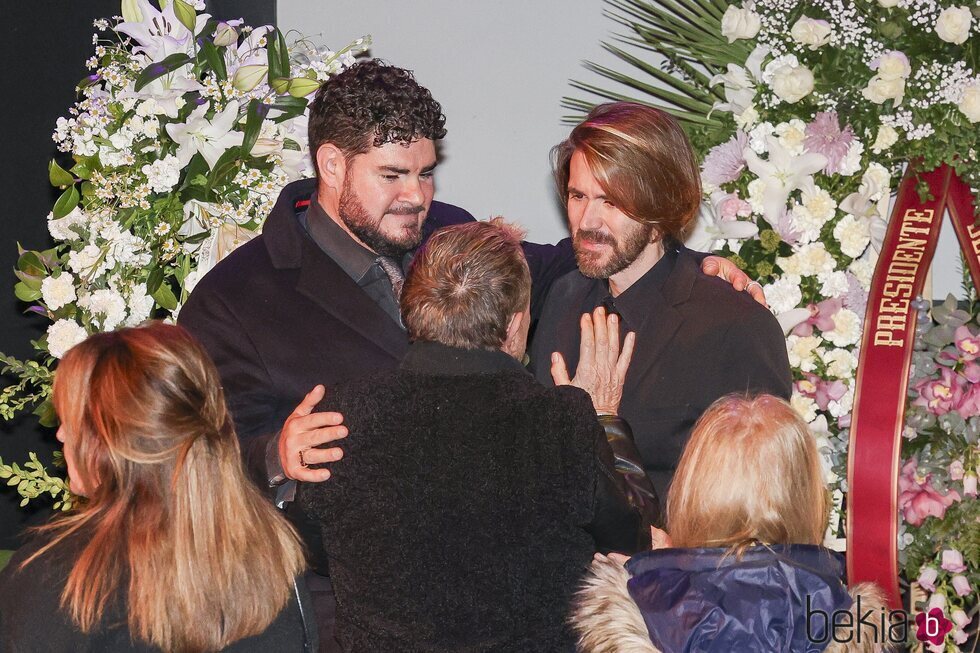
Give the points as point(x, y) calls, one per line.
point(743, 569)
point(171, 547)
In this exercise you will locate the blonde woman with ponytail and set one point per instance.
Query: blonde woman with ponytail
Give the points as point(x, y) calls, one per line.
point(172, 548)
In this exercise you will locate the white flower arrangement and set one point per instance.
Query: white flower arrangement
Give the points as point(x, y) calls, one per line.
point(805, 114)
point(184, 134)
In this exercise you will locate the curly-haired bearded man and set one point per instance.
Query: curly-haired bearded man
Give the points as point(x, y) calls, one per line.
point(313, 301)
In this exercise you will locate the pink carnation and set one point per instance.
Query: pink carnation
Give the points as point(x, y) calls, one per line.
point(725, 162)
point(731, 207)
point(918, 499)
point(824, 136)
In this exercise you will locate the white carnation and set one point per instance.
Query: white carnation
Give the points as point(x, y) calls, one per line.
point(843, 405)
point(63, 335)
point(840, 363)
point(784, 293)
point(792, 135)
point(847, 328)
point(758, 136)
point(853, 234)
point(58, 291)
point(805, 224)
point(801, 351)
point(833, 284)
point(804, 406)
point(163, 174)
point(106, 306)
point(756, 198)
point(66, 228)
point(887, 136)
point(819, 203)
point(863, 270)
point(85, 260)
point(809, 260)
point(852, 160)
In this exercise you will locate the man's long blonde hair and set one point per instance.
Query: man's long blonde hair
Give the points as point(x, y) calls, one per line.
point(173, 525)
point(751, 473)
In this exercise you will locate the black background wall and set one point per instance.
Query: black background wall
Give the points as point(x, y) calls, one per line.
point(43, 54)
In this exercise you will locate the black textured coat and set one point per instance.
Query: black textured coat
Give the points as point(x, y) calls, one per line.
point(458, 518)
point(701, 341)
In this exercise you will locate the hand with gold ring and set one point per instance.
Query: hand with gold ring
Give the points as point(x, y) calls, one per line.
point(303, 433)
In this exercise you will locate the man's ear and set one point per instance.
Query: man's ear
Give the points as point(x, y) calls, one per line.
point(514, 325)
point(331, 166)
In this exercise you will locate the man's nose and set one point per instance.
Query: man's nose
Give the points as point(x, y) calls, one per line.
point(411, 192)
point(591, 217)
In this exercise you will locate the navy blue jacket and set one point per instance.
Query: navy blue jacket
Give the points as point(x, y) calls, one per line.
point(769, 599)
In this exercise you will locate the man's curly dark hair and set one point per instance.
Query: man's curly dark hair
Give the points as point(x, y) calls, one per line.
point(370, 104)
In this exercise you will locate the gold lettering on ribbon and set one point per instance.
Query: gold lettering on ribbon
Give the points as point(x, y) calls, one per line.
point(973, 231)
point(893, 307)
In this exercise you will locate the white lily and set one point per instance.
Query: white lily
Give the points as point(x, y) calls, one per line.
point(208, 137)
point(781, 174)
point(249, 52)
point(159, 33)
point(709, 229)
point(739, 82)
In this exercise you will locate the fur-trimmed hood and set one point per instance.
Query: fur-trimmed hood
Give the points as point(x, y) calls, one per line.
point(701, 601)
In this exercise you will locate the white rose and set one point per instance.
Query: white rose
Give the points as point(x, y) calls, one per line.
point(853, 234)
point(58, 291)
point(811, 32)
point(887, 136)
point(953, 25)
point(876, 182)
point(847, 328)
point(792, 83)
point(739, 23)
point(880, 90)
point(970, 103)
point(804, 406)
point(63, 335)
point(892, 65)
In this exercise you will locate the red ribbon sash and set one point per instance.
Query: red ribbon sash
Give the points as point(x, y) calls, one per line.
point(878, 415)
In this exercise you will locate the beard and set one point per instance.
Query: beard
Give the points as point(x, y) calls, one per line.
point(368, 229)
point(596, 265)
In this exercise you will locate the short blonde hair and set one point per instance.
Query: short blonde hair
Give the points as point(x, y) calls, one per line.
point(465, 283)
point(750, 473)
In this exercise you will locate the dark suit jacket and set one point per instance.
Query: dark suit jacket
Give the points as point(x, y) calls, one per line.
point(279, 316)
point(701, 341)
point(460, 518)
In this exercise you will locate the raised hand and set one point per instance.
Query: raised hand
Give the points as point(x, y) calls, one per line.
point(601, 366)
point(716, 266)
point(303, 431)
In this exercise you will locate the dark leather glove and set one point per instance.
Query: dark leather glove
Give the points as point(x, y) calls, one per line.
point(639, 490)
